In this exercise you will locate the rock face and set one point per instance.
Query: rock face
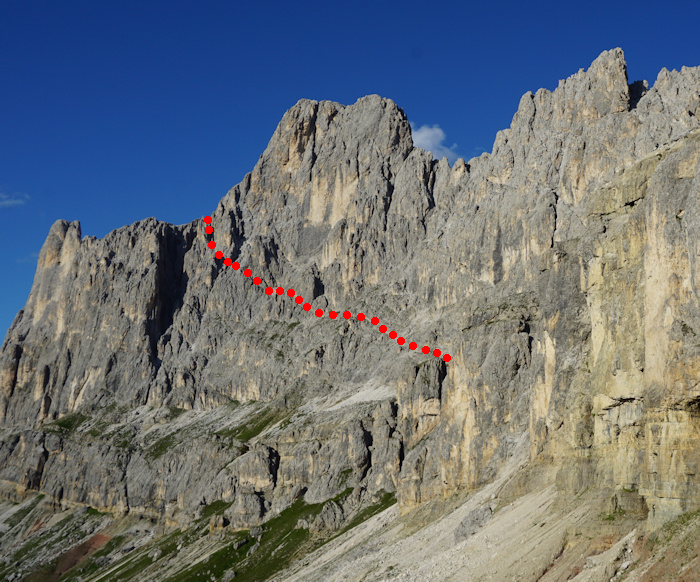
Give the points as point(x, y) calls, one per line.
point(559, 271)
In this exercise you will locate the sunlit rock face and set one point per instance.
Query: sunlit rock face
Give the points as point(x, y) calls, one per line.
point(559, 271)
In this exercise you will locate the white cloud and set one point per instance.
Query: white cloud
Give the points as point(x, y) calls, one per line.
point(7, 200)
point(30, 258)
point(431, 138)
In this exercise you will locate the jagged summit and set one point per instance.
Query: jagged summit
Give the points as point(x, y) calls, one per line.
point(145, 378)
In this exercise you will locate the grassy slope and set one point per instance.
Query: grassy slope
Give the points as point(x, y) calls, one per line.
point(194, 553)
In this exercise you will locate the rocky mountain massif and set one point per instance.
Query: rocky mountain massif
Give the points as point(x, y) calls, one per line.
point(163, 419)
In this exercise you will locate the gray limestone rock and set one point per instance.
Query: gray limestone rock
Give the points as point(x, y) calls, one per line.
point(559, 272)
point(331, 517)
point(247, 509)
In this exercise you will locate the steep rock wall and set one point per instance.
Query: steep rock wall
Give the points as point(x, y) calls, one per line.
point(558, 271)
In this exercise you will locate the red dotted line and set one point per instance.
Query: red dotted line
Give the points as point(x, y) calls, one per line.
point(307, 306)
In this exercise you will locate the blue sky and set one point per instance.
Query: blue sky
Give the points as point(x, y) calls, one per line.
point(111, 112)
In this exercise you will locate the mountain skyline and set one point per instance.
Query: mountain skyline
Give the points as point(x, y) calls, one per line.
point(114, 114)
point(147, 380)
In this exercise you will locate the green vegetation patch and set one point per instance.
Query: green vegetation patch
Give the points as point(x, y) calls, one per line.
point(40, 540)
point(44, 574)
point(98, 429)
point(217, 563)
point(124, 439)
point(216, 508)
point(170, 543)
point(125, 443)
point(67, 424)
point(280, 544)
point(30, 547)
point(342, 495)
point(286, 422)
point(345, 475)
point(175, 412)
point(74, 564)
point(20, 514)
point(161, 446)
point(131, 569)
point(618, 513)
point(274, 550)
point(385, 501)
point(673, 527)
point(90, 566)
point(254, 425)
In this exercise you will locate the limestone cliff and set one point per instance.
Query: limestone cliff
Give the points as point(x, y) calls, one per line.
point(144, 377)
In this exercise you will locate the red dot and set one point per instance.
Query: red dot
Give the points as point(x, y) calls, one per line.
point(257, 281)
point(212, 244)
point(307, 306)
point(319, 313)
point(247, 273)
point(280, 291)
point(332, 315)
point(235, 266)
point(299, 299)
point(290, 292)
point(268, 290)
point(227, 262)
point(219, 255)
point(436, 353)
point(426, 350)
point(347, 314)
point(209, 229)
point(207, 219)
point(393, 334)
point(412, 346)
point(360, 317)
point(447, 357)
point(382, 328)
point(375, 320)
point(401, 341)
